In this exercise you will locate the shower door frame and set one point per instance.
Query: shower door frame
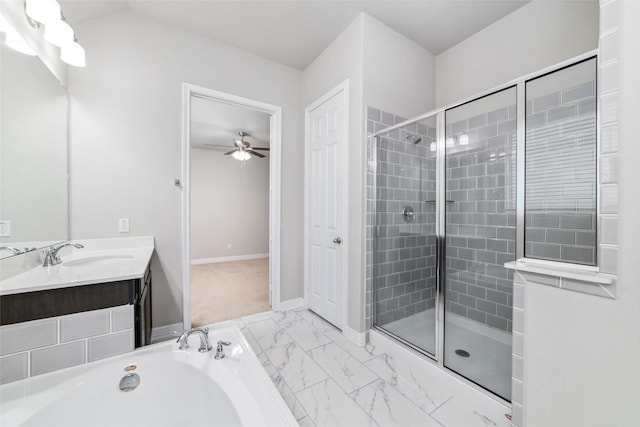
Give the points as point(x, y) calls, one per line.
point(439, 113)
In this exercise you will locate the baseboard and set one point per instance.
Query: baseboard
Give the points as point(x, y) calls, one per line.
point(292, 304)
point(228, 259)
point(166, 332)
point(358, 338)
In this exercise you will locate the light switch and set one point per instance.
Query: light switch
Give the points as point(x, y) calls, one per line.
point(123, 225)
point(5, 228)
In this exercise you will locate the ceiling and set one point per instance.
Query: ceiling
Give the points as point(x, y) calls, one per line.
point(295, 32)
point(218, 123)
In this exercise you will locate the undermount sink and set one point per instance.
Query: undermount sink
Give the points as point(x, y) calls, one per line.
point(96, 260)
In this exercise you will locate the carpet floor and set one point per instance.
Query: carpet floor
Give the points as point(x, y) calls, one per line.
point(228, 290)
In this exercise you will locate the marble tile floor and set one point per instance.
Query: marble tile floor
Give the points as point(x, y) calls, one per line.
point(326, 380)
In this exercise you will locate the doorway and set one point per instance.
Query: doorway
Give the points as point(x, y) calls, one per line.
point(231, 188)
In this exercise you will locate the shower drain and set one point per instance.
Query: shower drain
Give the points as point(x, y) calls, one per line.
point(462, 353)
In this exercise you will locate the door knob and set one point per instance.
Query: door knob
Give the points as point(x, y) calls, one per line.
point(337, 240)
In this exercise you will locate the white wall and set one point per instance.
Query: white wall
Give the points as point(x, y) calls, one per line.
point(125, 139)
point(536, 36)
point(399, 75)
point(582, 352)
point(229, 205)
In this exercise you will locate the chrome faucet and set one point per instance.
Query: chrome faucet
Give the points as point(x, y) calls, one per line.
point(52, 258)
point(15, 251)
point(205, 345)
point(220, 349)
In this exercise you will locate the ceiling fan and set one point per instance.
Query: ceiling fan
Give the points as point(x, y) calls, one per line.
point(243, 149)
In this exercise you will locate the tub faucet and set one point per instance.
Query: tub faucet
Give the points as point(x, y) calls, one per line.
point(52, 258)
point(205, 345)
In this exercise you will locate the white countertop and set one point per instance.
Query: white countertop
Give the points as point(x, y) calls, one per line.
point(110, 260)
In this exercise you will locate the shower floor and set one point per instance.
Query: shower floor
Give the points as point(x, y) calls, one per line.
point(489, 363)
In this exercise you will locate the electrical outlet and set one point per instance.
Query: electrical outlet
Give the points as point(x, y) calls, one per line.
point(228, 246)
point(5, 228)
point(123, 225)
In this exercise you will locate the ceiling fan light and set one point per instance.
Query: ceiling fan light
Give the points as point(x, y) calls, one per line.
point(58, 33)
point(17, 43)
point(43, 11)
point(5, 26)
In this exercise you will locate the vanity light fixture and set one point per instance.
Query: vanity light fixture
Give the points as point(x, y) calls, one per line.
point(58, 32)
point(17, 43)
point(450, 142)
point(73, 54)
point(464, 139)
point(5, 27)
point(43, 11)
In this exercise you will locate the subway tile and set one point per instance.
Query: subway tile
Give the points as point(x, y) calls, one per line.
point(578, 92)
point(13, 368)
point(517, 415)
point(609, 77)
point(518, 344)
point(609, 199)
point(373, 114)
point(518, 294)
point(609, 16)
point(609, 169)
point(546, 102)
point(28, 335)
point(57, 357)
point(586, 238)
point(560, 113)
point(577, 221)
point(608, 259)
point(609, 230)
point(560, 236)
point(83, 325)
point(609, 108)
point(111, 345)
point(518, 320)
point(498, 115)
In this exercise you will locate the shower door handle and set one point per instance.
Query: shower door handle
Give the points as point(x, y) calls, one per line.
point(337, 240)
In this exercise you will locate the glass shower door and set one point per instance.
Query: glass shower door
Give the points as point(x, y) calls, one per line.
point(405, 240)
point(480, 218)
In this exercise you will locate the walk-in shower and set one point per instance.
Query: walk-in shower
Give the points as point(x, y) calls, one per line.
point(447, 212)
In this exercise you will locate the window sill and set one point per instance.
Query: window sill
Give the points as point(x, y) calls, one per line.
point(573, 279)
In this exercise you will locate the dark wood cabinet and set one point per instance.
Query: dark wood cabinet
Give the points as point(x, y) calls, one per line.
point(27, 306)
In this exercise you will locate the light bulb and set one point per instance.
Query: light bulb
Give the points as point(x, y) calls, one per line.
point(450, 142)
point(5, 27)
point(464, 139)
point(43, 11)
point(17, 43)
point(58, 33)
point(73, 54)
point(236, 155)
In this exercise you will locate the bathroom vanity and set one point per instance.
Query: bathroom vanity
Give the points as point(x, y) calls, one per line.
point(105, 273)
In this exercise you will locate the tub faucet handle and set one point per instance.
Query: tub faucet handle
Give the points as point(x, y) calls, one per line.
point(220, 349)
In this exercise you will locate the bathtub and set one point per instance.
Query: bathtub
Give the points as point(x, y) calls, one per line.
point(176, 388)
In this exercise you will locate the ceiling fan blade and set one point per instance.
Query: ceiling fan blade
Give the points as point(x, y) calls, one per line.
point(217, 145)
point(230, 152)
point(261, 148)
point(255, 153)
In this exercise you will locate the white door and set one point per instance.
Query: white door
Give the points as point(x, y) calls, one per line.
point(326, 139)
